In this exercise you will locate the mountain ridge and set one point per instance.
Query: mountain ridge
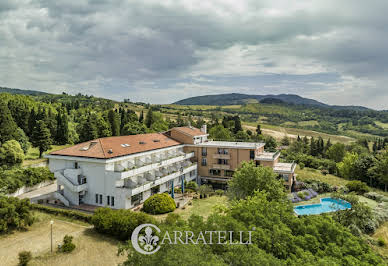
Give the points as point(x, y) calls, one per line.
point(239, 98)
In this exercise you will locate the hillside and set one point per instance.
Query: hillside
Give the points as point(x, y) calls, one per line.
point(238, 99)
point(22, 92)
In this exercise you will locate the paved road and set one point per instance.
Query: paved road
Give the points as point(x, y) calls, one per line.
point(40, 191)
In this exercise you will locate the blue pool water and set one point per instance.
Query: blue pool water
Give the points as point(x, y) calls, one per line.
point(326, 205)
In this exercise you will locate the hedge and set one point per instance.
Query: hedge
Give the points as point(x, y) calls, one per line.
point(77, 215)
point(119, 223)
point(159, 204)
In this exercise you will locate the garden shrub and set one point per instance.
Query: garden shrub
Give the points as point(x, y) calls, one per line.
point(24, 258)
point(159, 204)
point(381, 242)
point(68, 245)
point(119, 223)
point(220, 192)
point(376, 196)
point(357, 186)
point(319, 186)
point(191, 185)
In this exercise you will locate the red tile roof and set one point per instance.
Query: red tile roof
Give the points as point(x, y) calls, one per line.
point(192, 131)
point(110, 147)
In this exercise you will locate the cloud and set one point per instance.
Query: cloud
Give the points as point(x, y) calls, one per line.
point(162, 51)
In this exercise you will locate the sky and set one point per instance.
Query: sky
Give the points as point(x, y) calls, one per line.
point(163, 51)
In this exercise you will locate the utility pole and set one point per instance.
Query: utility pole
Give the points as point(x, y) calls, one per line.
point(51, 224)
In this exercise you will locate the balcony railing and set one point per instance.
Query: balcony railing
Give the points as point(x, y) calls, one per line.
point(221, 156)
point(221, 166)
point(129, 191)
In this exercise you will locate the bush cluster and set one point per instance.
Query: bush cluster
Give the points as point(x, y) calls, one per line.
point(159, 204)
point(24, 258)
point(77, 215)
point(14, 213)
point(15, 178)
point(119, 223)
point(357, 186)
point(313, 162)
point(306, 194)
point(376, 196)
point(319, 186)
point(68, 245)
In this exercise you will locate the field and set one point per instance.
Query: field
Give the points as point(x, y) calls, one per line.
point(202, 207)
point(91, 248)
point(279, 132)
point(309, 173)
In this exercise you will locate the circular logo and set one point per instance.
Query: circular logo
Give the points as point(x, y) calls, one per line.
point(145, 243)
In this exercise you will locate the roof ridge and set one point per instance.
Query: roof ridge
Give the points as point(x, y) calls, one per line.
point(102, 148)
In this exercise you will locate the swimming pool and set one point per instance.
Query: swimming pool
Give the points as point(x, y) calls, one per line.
point(326, 205)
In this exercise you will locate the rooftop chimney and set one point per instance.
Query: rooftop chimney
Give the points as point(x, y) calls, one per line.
point(204, 129)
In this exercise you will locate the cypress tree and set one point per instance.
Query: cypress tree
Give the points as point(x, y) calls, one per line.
point(114, 120)
point(149, 118)
point(41, 137)
point(8, 127)
point(141, 117)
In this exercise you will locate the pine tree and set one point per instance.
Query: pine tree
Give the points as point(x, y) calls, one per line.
point(31, 122)
point(62, 134)
point(313, 147)
point(149, 118)
point(114, 120)
point(41, 137)
point(8, 127)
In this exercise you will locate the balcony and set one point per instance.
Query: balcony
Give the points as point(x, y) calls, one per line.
point(153, 166)
point(137, 188)
point(221, 166)
point(221, 156)
point(74, 187)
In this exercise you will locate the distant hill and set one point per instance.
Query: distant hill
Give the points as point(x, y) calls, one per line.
point(237, 98)
point(23, 92)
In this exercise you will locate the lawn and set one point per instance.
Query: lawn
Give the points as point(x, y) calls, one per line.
point(382, 232)
point(91, 247)
point(309, 173)
point(202, 207)
point(32, 156)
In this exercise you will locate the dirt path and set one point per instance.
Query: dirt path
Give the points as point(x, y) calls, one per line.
point(36, 239)
point(276, 134)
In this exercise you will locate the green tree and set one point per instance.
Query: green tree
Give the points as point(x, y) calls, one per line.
point(336, 152)
point(88, 130)
point(258, 130)
point(242, 135)
point(114, 121)
point(347, 167)
point(8, 127)
point(270, 143)
point(149, 118)
point(220, 133)
point(23, 140)
point(134, 128)
point(380, 169)
point(62, 134)
point(237, 124)
point(141, 117)
point(41, 137)
point(248, 178)
point(285, 141)
point(11, 153)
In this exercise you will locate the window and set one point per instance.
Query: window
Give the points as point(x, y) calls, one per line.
point(222, 161)
point(215, 172)
point(76, 166)
point(100, 199)
point(222, 151)
point(107, 200)
point(96, 198)
point(192, 173)
point(204, 151)
point(228, 173)
point(204, 162)
point(252, 154)
point(113, 201)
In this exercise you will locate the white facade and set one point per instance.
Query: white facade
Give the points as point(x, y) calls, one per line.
point(121, 182)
